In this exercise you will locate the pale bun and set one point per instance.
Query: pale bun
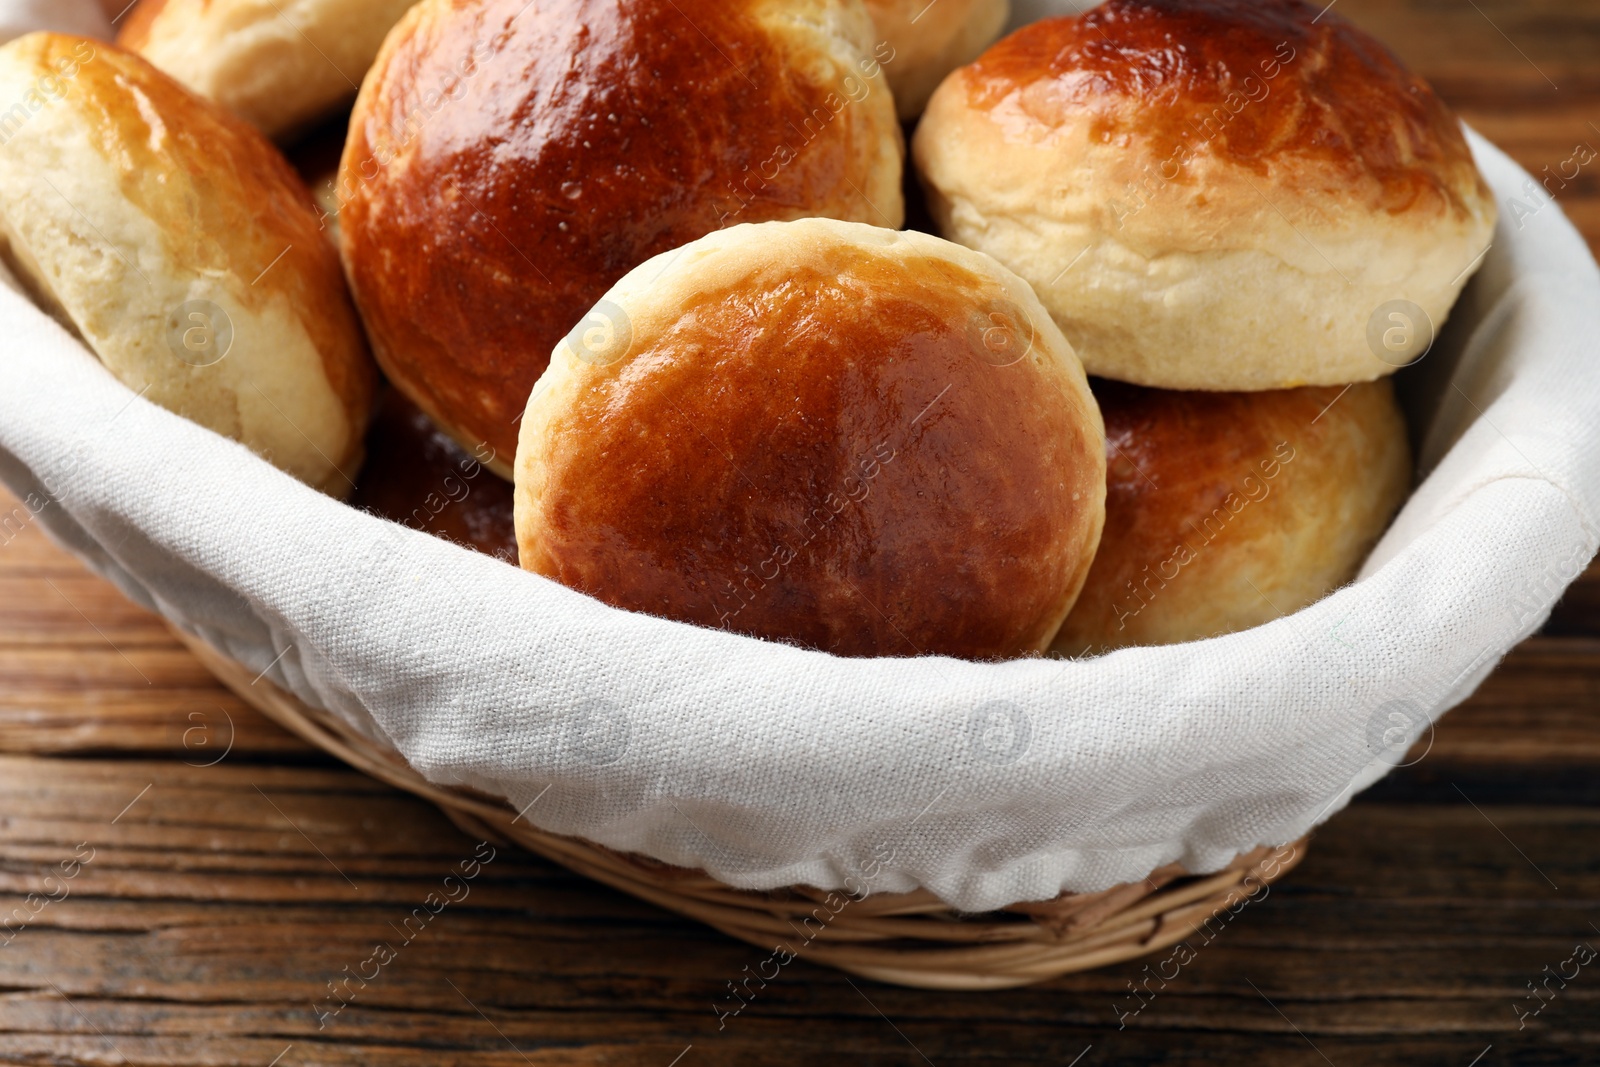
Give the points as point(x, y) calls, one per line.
point(281, 65)
point(179, 245)
point(924, 40)
point(1221, 195)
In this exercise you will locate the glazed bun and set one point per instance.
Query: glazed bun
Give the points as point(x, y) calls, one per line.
point(418, 476)
point(1227, 510)
point(1212, 194)
point(508, 162)
point(926, 41)
point(868, 442)
point(179, 245)
point(281, 65)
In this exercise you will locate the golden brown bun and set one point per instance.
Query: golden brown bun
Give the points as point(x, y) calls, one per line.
point(282, 65)
point(179, 245)
point(502, 173)
point(418, 476)
point(927, 40)
point(1210, 194)
point(1227, 510)
point(868, 442)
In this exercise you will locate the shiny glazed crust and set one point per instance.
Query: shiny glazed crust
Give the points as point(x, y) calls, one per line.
point(279, 64)
point(1210, 194)
point(1227, 510)
point(926, 41)
point(507, 163)
point(179, 245)
point(867, 442)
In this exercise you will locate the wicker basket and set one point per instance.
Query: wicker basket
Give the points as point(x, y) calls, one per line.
point(908, 939)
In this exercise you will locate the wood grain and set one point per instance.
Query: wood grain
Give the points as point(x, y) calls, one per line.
point(221, 900)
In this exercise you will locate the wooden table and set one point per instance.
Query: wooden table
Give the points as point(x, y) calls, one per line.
point(214, 874)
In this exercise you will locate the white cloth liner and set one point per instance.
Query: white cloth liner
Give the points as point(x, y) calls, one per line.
point(768, 765)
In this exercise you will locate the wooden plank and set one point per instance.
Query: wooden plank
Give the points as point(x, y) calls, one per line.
point(1436, 948)
point(83, 669)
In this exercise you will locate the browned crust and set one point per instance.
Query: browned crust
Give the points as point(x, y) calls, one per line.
point(1271, 86)
point(584, 137)
point(850, 453)
point(1225, 510)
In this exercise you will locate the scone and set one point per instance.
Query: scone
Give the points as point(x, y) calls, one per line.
point(862, 441)
point(175, 240)
point(508, 162)
point(1229, 194)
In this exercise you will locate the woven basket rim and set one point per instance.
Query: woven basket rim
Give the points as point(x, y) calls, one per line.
point(909, 939)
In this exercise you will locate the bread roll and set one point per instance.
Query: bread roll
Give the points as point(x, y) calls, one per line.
point(868, 442)
point(1228, 194)
point(282, 65)
point(507, 163)
point(418, 476)
point(179, 245)
point(1227, 510)
point(927, 39)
